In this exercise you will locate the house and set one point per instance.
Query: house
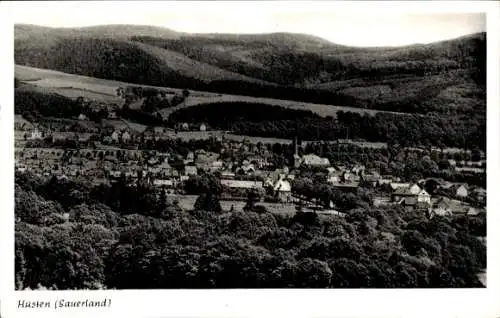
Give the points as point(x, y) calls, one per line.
point(371, 179)
point(115, 173)
point(217, 165)
point(381, 201)
point(36, 134)
point(350, 177)
point(242, 184)
point(331, 170)
point(410, 192)
point(470, 169)
point(460, 191)
point(479, 194)
point(21, 168)
point(396, 185)
point(82, 117)
point(258, 162)
point(204, 160)
point(313, 160)
point(412, 203)
point(283, 188)
point(154, 170)
point(163, 182)
point(203, 127)
point(423, 197)
point(246, 169)
point(333, 178)
point(190, 157)
point(126, 137)
point(190, 170)
point(358, 169)
point(115, 136)
point(381, 182)
point(441, 207)
point(227, 175)
point(185, 126)
point(165, 167)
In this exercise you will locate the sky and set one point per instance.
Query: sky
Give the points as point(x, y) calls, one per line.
point(357, 24)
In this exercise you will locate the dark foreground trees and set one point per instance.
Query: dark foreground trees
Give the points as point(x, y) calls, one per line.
point(88, 244)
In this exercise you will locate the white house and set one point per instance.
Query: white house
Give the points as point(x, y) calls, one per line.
point(242, 184)
point(395, 185)
point(315, 161)
point(423, 197)
point(115, 136)
point(461, 191)
point(126, 136)
point(163, 182)
point(203, 127)
point(415, 189)
point(284, 190)
point(190, 170)
point(227, 175)
point(36, 134)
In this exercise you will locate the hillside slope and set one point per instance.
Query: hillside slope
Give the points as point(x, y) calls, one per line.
point(438, 77)
point(120, 60)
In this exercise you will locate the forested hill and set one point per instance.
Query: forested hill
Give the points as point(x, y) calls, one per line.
point(444, 77)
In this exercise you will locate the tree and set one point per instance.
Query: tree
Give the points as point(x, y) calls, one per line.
point(430, 186)
point(312, 273)
point(208, 202)
point(252, 197)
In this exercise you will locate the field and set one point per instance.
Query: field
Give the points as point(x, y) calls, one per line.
point(121, 124)
point(72, 86)
point(187, 202)
point(320, 109)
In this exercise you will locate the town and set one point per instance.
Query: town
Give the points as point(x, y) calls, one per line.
point(108, 155)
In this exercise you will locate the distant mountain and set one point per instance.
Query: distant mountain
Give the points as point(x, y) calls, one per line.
point(415, 78)
point(115, 31)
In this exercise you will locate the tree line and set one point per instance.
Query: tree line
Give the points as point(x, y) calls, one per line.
point(274, 121)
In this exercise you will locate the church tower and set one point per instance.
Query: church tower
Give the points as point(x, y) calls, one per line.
point(295, 145)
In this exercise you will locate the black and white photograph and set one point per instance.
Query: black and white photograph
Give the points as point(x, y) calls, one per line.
point(170, 145)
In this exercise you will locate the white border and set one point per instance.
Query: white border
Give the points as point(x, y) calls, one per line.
point(272, 303)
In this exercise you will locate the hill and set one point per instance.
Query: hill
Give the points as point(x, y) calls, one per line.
point(115, 31)
point(39, 95)
point(413, 79)
point(72, 86)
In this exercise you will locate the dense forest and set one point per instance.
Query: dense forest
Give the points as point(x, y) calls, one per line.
point(286, 63)
point(71, 236)
point(30, 102)
point(273, 121)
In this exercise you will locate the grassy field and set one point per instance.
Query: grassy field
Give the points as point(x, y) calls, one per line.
point(187, 202)
point(72, 86)
point(320, 109)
